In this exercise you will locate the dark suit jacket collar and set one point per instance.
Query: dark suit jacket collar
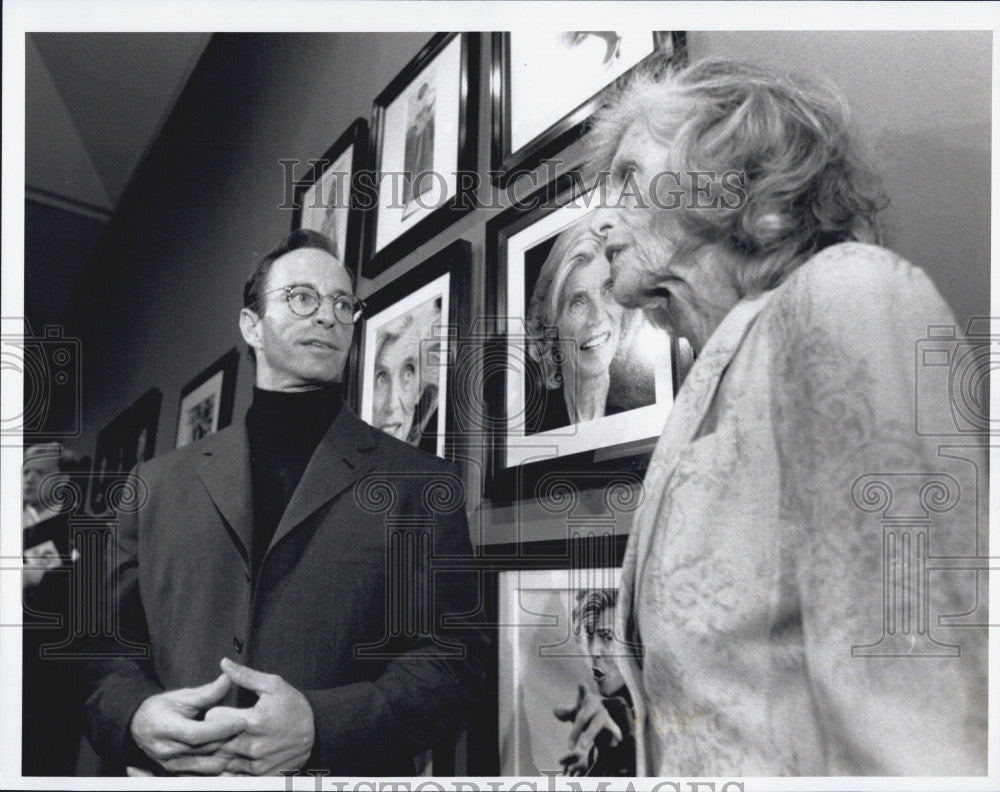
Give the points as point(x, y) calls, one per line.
point(343, 454)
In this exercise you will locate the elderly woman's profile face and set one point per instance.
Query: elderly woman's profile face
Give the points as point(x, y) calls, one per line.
point(589, 319)
point(397, 383)
point(683, 290)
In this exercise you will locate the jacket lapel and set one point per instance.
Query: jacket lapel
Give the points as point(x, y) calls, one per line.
point(224, 469)
point(686, 416)
point(340, 458)
point(688, 413)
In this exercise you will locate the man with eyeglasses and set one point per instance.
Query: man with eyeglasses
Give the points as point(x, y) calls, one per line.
point(284, 552)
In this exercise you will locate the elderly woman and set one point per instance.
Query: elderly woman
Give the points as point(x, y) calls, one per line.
point(787, 621)
point(572, 296)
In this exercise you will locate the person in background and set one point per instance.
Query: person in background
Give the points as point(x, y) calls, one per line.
point(740, 215)
point(265, 552)
point(51, 711)
point(602, 738)
point(43, 461)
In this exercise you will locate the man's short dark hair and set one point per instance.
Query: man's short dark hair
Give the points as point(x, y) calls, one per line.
point(590, 604)
point(299, 239)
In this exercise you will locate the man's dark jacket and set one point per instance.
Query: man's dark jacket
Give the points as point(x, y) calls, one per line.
point(359, 601)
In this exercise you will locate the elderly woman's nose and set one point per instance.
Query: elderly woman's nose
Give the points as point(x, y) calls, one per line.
point(602, 223)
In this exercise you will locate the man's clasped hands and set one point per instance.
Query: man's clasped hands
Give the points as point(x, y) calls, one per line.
point(276, 734)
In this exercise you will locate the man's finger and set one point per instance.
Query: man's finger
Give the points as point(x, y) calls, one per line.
point(198, 733)
point(200, 765)
point(573, 764)
point(138, 772)
point(238, 766)
point(207, 749)
point(248, 678)
point(242, 746)
point(596, 726)
point(229, 714)
point(204, 695)
point(591, 710)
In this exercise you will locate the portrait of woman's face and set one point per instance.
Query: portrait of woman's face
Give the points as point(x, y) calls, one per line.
point(404, 381)
point(397, 381)
point(589, 320)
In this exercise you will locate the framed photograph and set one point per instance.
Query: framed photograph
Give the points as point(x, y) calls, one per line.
point(206, 403)
point(128, 439)
point(544, 664)
point(407, 347)
point(546, 84)
point(581, 382)
point(424, 133)
point(328, 201)
point(553, 604)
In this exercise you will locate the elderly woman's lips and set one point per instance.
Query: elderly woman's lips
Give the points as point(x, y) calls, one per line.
point(659, 295)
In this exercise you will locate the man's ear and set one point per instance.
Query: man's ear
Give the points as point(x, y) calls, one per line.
point(250, 328)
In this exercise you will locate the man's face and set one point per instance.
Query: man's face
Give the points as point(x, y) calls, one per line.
point(295, 352)
point(589, 318)
point(602, 647)
point(34, 471)
point(397, 383)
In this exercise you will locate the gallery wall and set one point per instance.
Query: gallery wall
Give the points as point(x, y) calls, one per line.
point(161, 295)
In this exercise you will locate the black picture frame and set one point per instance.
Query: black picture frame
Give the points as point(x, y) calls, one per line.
point(353, 140)
point(505, 482)
point(125, 441)
point(508, 163)
point(216, 382)
point(429, 220)
point(577, 550)
point(453, 264)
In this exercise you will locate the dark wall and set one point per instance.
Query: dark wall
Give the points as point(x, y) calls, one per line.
point(57, 244)
point(162, 293)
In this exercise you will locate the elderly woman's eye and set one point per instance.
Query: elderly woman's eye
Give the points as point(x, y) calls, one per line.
point(624, 171)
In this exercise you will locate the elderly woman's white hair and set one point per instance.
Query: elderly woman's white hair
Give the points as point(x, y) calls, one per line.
point(804, 183)
point(543, 310)
point(426, 320)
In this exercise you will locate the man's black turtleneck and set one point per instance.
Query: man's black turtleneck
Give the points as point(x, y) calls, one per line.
point(284, 428)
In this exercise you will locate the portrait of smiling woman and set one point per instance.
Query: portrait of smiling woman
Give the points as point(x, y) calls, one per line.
point(406, 376)
point(786, 619)
point(581, 338)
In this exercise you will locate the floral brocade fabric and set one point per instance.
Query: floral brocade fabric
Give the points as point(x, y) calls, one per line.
point(806, 574)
